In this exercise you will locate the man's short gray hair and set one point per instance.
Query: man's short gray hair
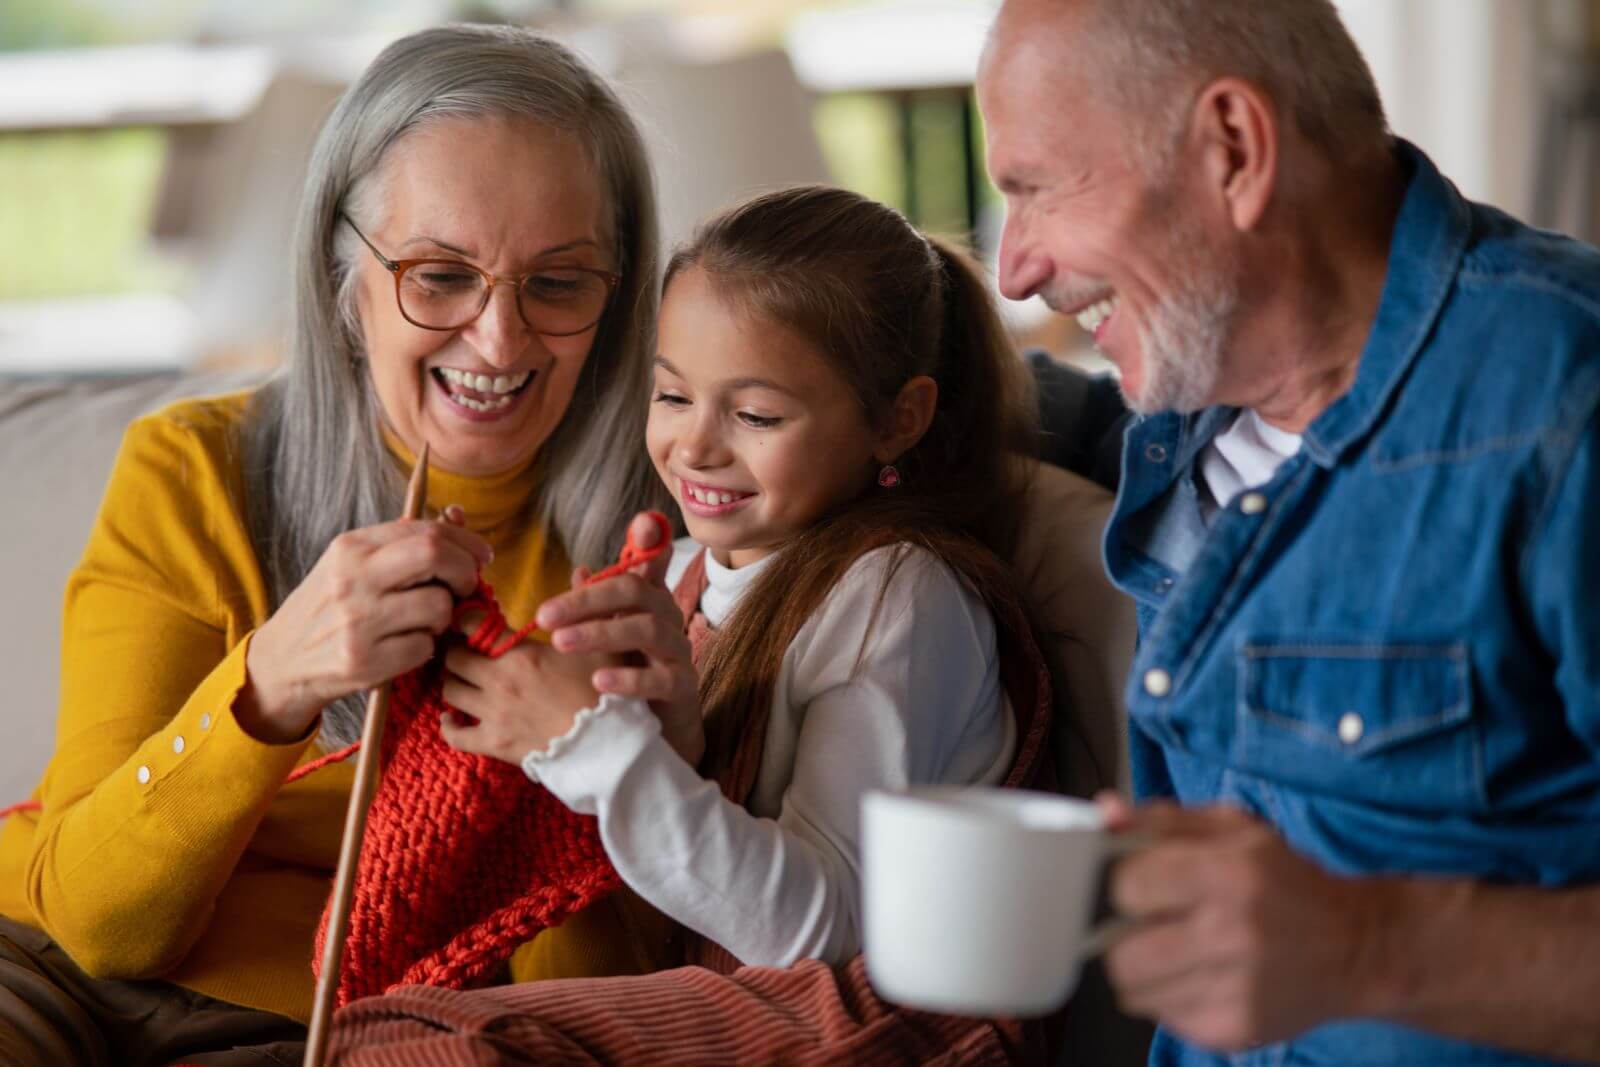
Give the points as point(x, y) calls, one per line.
point(1153, 56)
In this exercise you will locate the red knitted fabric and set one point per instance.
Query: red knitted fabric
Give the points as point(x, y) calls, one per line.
point(464, 858)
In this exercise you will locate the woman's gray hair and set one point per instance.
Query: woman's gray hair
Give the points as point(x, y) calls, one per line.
point(315, 464)
point(1152, 56)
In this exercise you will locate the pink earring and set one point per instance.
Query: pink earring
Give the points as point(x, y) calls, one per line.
point(889, 477)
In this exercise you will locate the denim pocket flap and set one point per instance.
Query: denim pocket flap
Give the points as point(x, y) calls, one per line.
point(1381, 722)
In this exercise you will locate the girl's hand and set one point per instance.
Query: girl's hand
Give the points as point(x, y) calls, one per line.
point(521, 701)
point(369, 610)
point(634, 615)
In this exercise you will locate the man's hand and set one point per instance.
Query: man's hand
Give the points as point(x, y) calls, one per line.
point(1239, 941)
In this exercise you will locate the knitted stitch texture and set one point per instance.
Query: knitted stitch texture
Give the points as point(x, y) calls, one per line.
point(464, 859)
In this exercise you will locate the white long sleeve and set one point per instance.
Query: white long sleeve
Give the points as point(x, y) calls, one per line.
point(780, 882)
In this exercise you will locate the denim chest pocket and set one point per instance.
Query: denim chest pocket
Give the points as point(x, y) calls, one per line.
point(1382, 724)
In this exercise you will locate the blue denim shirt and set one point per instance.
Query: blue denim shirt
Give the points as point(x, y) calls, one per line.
point(1391, 651)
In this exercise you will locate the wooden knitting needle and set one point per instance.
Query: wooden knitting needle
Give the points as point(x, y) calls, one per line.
point(355, 824)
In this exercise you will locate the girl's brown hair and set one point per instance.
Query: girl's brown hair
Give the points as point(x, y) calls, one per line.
point(881, 304)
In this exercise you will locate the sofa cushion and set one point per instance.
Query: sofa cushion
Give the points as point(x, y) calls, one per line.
point(1088, 625)
point(58, 439)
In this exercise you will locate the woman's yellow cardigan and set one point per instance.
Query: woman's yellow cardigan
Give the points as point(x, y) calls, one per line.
point(168, 846)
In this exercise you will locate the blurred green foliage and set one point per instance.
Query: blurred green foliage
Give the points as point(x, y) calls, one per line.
point(75, 212)
point(863, 140)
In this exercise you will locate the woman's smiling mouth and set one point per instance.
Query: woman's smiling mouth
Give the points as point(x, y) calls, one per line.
point(482, 397)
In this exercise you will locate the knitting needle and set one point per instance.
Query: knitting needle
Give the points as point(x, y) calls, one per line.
point(355, 824)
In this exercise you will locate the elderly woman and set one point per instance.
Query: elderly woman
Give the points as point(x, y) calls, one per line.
point(244, 582)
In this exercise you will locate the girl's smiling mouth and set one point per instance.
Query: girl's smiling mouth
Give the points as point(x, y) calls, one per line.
point(708, 501)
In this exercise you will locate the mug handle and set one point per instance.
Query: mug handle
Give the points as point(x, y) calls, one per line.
point(1107, 933)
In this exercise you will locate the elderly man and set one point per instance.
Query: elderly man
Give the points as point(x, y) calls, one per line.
point(1360, 513)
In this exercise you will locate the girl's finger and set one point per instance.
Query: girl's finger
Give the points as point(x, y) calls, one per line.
point(464, 697)
point(644, 532)
point(645, 683)
point(626, 594)
point(468, 666)
point(457, 734)
point(629, 633)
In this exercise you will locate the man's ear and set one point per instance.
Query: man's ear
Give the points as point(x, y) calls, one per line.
point(1235, 125)
point(909, 418)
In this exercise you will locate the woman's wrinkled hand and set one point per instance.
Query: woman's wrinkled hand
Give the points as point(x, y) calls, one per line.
point(634, 615)
point(369, 610)
point(520, 702)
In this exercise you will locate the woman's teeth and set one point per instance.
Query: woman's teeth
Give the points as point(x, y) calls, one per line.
point(482, 383)
point(492, 393)
point(1094, 316)
point(481, 405)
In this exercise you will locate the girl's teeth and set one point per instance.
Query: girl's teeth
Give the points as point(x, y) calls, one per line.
point(710, 497)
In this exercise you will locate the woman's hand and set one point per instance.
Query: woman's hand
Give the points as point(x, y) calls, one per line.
point(521, 701)
point(369, 610)
point(634, 615)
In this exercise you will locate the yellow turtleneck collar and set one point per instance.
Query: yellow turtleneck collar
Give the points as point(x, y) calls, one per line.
point(490, 501)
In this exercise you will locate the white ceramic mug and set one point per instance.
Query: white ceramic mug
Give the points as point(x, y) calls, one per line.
point(978, 900)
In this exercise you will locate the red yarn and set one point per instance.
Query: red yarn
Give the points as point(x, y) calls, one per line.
point(464, 858)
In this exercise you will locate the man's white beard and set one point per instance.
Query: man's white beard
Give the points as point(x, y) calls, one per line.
point(1186, 337)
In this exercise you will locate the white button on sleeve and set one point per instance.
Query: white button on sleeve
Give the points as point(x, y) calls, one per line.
point(1157, 682)
point(177, 744)
point(144, 775)
point(205, 721)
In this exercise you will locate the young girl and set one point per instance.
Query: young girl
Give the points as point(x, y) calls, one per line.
point(838, 414)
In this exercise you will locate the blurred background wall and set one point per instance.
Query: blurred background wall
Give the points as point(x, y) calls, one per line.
point(150, 150)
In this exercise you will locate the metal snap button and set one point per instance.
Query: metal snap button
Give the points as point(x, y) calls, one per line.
point(1351, 728)
point(1157, 682)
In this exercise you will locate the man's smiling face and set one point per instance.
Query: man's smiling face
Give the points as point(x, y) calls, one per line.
point(1094, 233)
